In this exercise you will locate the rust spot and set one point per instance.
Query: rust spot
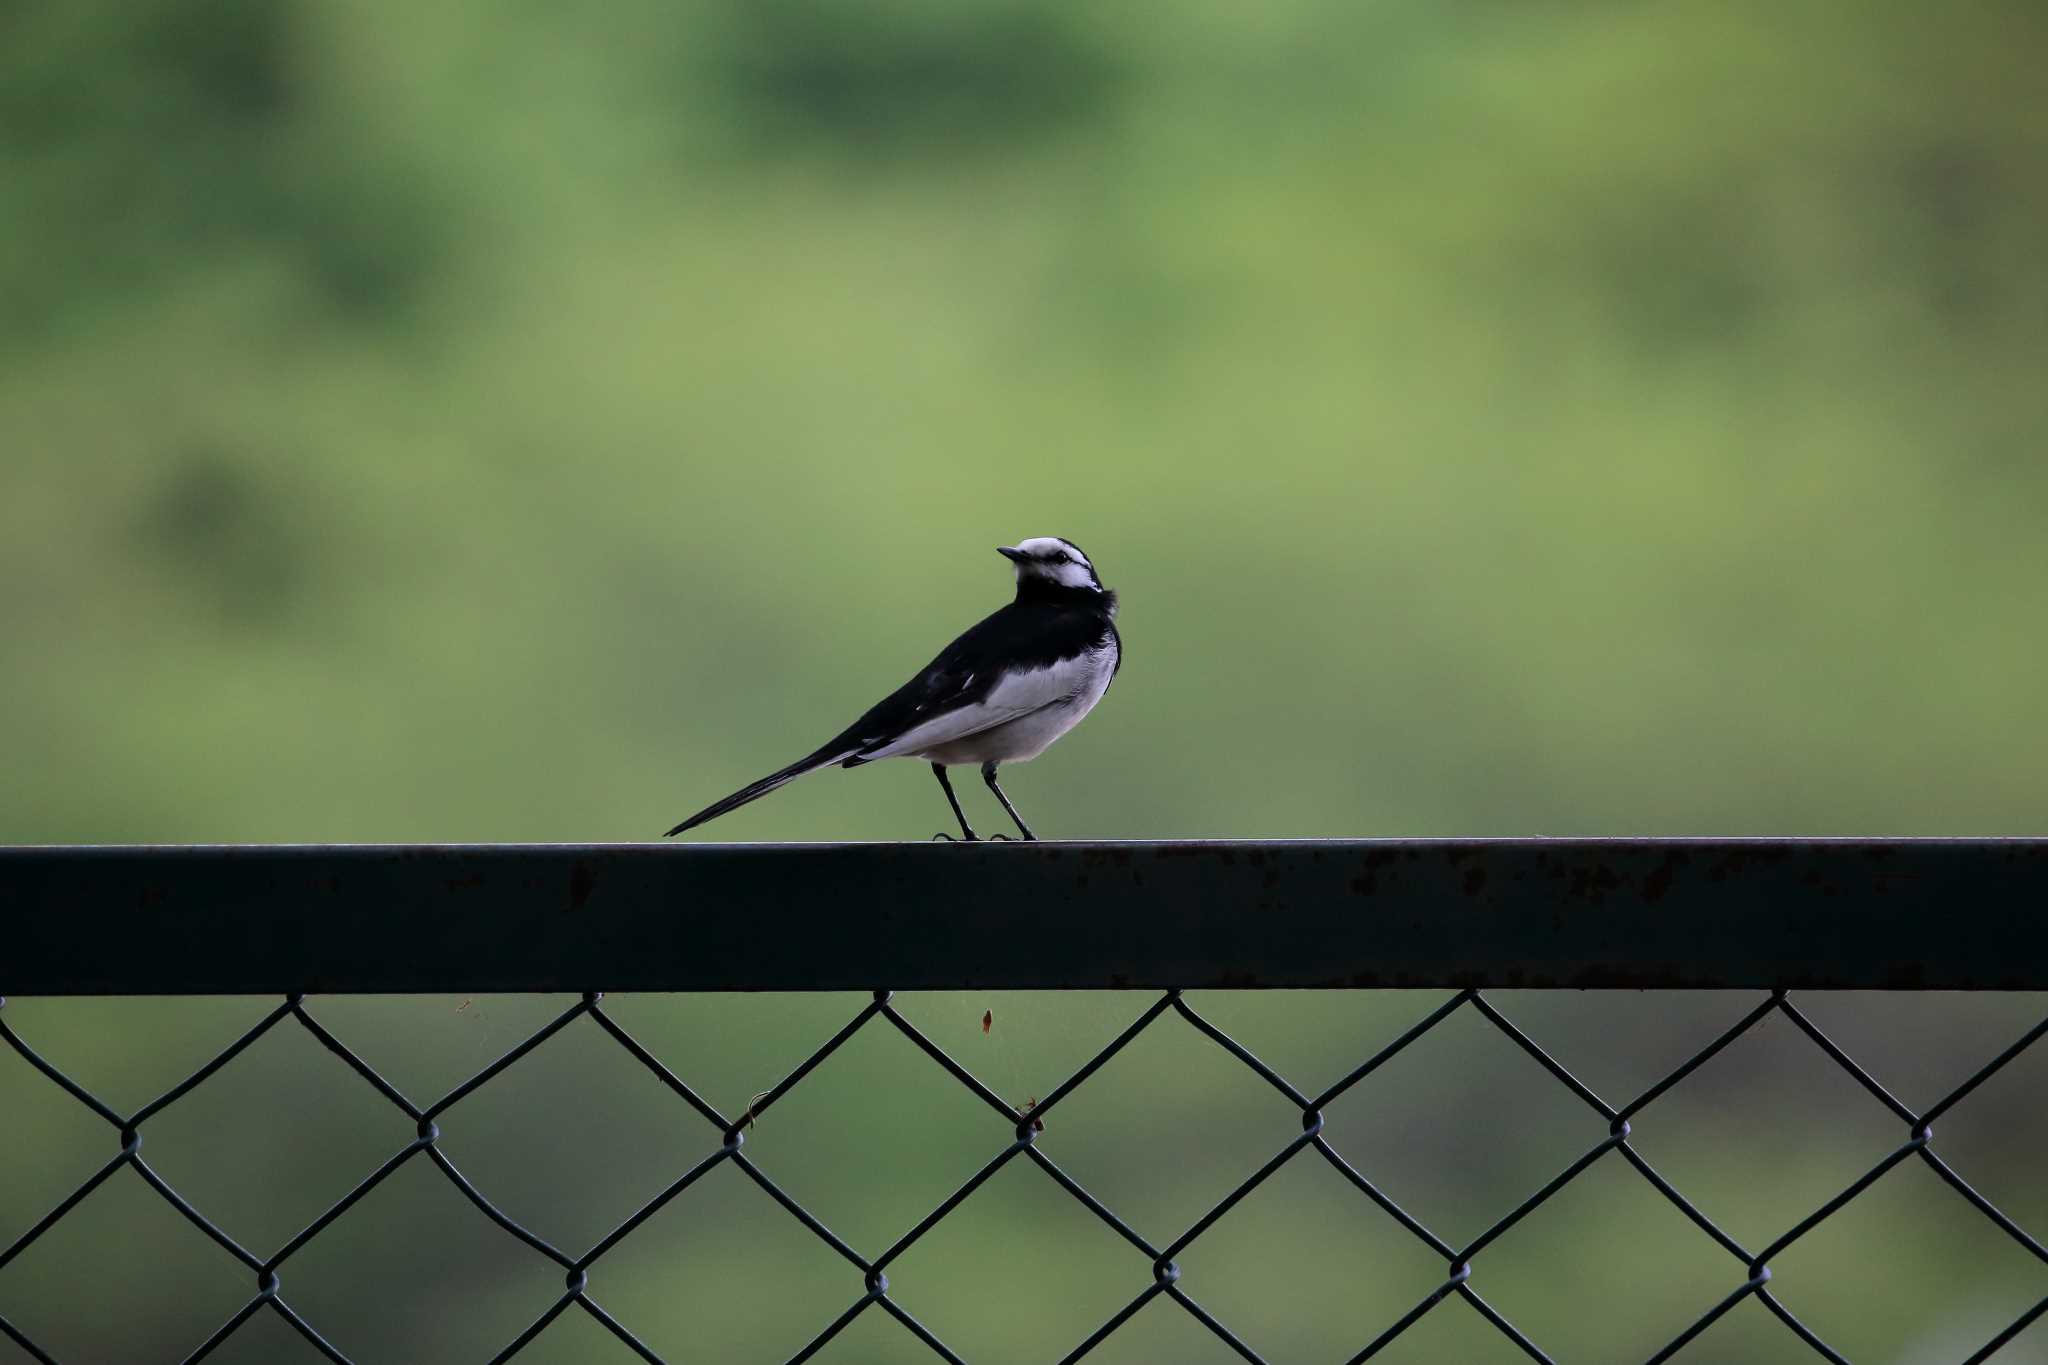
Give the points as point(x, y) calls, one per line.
point(1659, 881)
point(1376, 859)
point(1592, 883)
point(1818, 881)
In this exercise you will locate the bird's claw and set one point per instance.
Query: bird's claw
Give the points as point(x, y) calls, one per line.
point(944, 838)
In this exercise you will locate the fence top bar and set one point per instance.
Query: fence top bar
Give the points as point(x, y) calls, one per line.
point(1927, 914)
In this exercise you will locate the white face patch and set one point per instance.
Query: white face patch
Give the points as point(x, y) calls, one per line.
point(1052, 559)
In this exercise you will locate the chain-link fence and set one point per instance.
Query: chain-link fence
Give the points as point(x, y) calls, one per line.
point(1015, 1136)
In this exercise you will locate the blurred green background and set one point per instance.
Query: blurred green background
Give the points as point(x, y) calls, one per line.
point(513, 422)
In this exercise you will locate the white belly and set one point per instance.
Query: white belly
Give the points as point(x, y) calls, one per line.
point(1030, 734)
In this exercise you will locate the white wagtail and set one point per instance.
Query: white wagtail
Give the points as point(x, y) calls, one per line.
point(1001, 693)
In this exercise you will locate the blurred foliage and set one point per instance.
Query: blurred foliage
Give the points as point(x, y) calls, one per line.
point(487, 422)
point(1499, 418)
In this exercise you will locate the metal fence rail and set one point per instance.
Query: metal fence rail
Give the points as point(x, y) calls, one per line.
point(1779, 916)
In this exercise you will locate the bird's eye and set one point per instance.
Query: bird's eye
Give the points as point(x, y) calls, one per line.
point(1062, 558)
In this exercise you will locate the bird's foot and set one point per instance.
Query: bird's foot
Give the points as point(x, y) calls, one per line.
point(944, 838)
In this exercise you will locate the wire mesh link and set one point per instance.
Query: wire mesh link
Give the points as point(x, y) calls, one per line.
point(1155, 1272)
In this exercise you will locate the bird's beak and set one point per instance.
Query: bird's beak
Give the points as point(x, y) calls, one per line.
point(1011, 553)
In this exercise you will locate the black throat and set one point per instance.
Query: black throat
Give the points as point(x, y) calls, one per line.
point(1034, 591)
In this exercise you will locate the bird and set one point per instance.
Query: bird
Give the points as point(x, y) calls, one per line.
point(1001, 693)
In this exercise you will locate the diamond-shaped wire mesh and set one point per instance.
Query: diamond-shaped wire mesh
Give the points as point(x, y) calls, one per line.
point(1154, 1267)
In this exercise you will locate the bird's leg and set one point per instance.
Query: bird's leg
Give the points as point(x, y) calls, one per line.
point(966, 830)
point(988, 775)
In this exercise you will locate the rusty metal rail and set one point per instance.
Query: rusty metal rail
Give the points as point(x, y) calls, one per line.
point(1771, 914)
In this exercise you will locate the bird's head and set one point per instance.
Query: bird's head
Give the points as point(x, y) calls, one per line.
point(1048, 562)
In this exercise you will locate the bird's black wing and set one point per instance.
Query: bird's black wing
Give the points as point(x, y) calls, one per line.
point(961, 692)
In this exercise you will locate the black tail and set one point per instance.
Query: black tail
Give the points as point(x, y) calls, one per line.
point(754, 791)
